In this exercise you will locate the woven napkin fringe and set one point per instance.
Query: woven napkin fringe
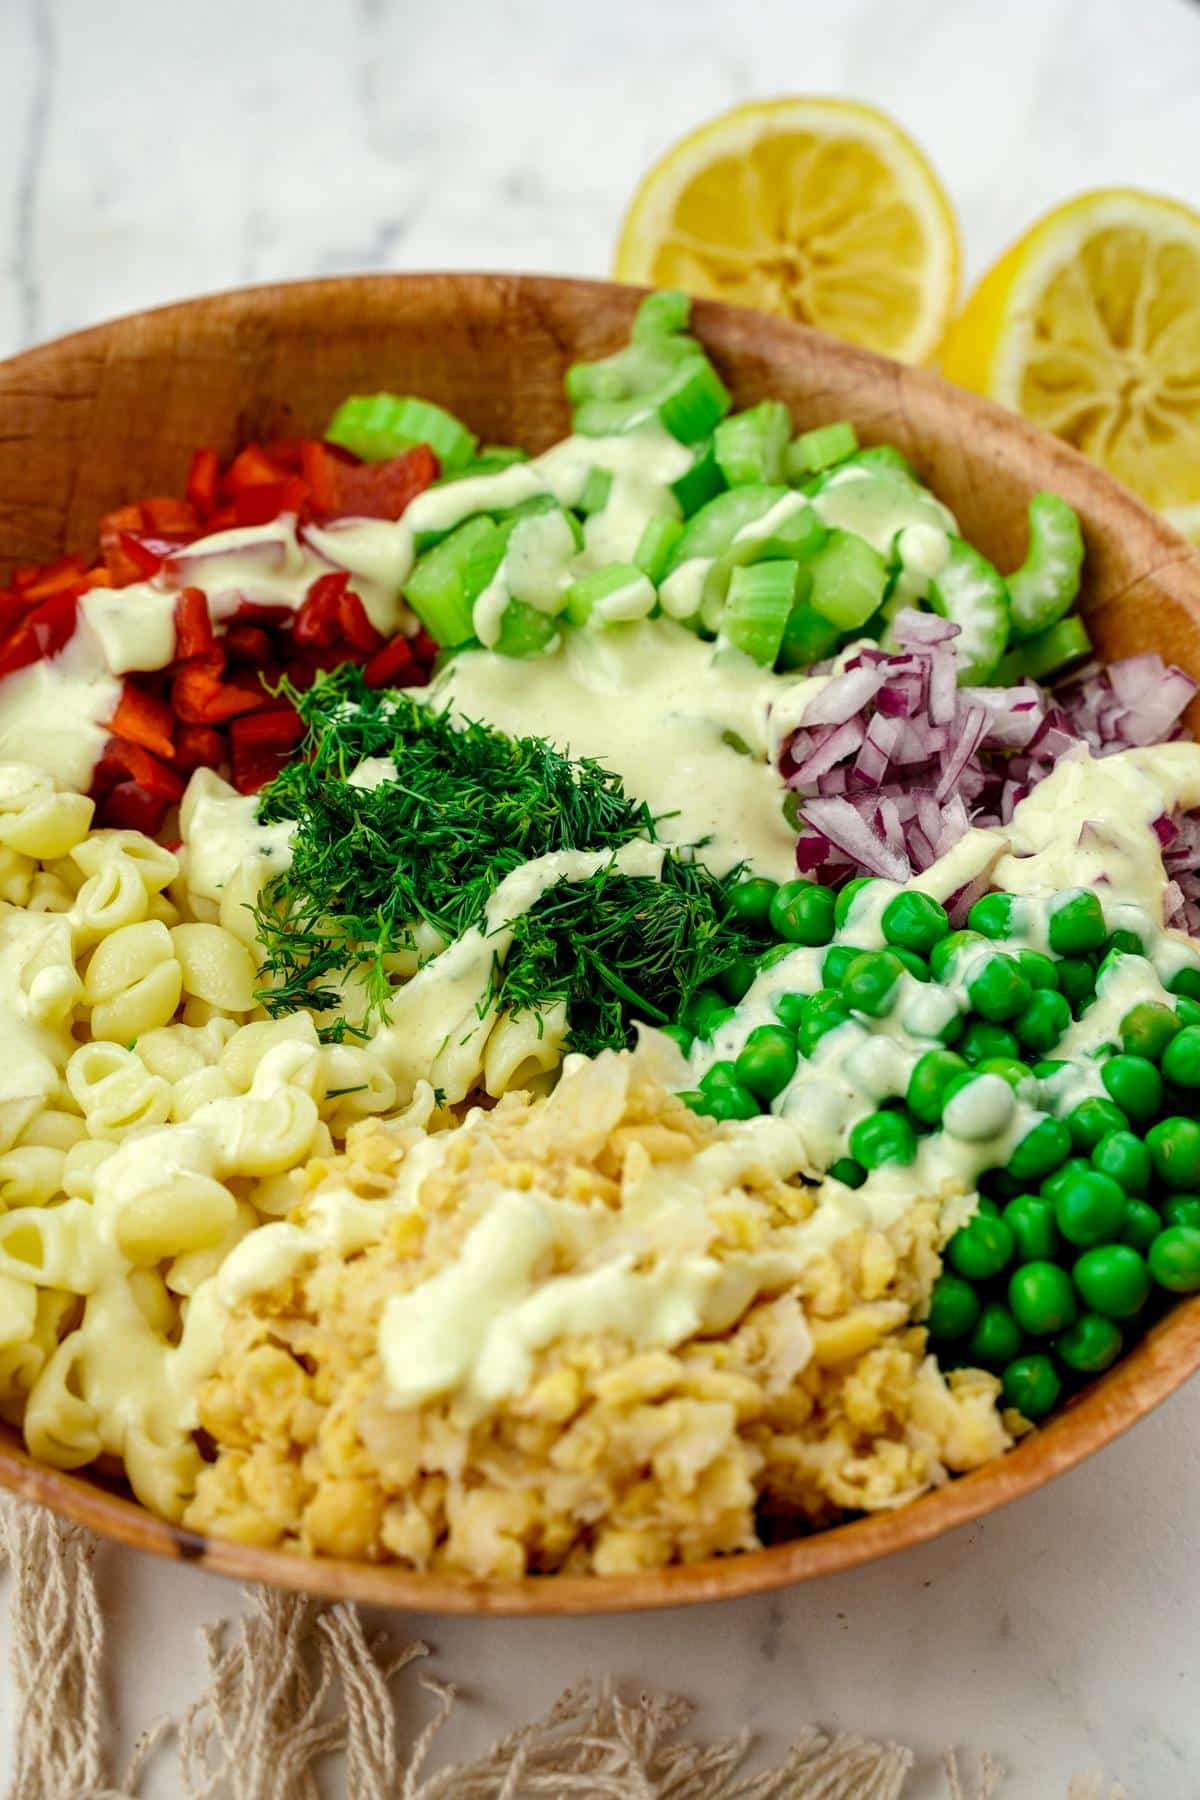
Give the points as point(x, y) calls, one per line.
point(293, 1681)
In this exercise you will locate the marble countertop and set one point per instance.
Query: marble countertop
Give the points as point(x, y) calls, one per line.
point(148, 152)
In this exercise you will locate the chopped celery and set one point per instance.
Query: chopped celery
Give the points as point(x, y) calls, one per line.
point(749, 445)
point(596, 490)
point(524, 631)
point(447, 580)
point(884, 456)
point(972, 595)
point(492, 458)
point(701, 483)
point(662, 374)
point(695, 401)
point(1045, 586)
point(757, 608)
point(663, 314)
point(376, 426)
point(789, 529)
point(1046, 653)
point(540, 547)
point(848, 580)
point(820, 449)
point(610, 595)
point(655, 545)
point(808, 637)
point(711, 531)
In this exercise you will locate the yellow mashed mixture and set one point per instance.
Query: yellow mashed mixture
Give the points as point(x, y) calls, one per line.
point(818, 1398)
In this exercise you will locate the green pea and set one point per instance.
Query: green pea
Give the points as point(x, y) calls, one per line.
point(981, 1249)
point(714, 1019)
point(695, 1014)
point(951, 946)
point(1043, 1021)
point(996, 1338)
point(1034, 1228)
point(1174, 1146)
point(980, 1042)
point(870, 982)
point(1181, 1059)
point(1092, 1120)
point(767, 1061)
point(927, 1085)
point(738, 977)
point(1174, 1259)
point(718, 1075)
point(1182, 1209)
point(977, 1106)
point(788, 1009)
point(1076, 924)
point(1041, 1298)
point(1009, 1068)
point(914, 921)
point(988, 1206)
point(1142, 1224)
point(883, 1137)
point(1077, 983)
point(820, 1013)
point(1032, 1386)
point(1039, 971)
point(732, 1102)
point(693, 1098)
point(803, 913)
point(1043, 1148)
point(915, 964)
point(850, 1173)
point(1047, 1067)
point(1053, 1184)
point(998, 990)
point(991, 916)
point(836, 961)
point(953, 1308)
point(1186, 982)
point(1148, 1028)
point(750, 902)
point(774, 953)
point(679, 1035)
point(1136, 1086)
point(1123, 1155)
point(846, 897)
point(1091, 1344)
point(1112, 1279)
point(1188, 1010)
point(1090, 1210)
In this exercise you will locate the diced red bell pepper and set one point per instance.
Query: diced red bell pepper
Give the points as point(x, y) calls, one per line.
point(143, 554)
point(143, 719)
point(318, 623)
point(202, 482)
point(99, 578)
point(68, 574)
point(198, 747)
point(194, 634)
point(12, 610)
point(128, 807)
point(424, 649)
point(121, 760)
point(166, 516)
point(267, 500)
point(42, 632)
point(285, 453)
point(248, 644)
point(202, 695)
point(393, 666)
point(259, 747)
point(249, 612)
point(315, 466)
point(251, 467)
point(357, 629)
point(381, 490)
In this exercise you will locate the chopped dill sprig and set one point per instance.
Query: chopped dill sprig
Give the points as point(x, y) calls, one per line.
point(372, 865)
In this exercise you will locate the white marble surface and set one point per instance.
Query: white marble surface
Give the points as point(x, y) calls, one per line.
point(150, 150)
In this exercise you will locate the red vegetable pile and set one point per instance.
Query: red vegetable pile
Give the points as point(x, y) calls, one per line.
point(893, 761)
point(211, 707)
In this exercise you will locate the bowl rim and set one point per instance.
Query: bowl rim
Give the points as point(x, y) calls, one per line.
point(1154, 1369)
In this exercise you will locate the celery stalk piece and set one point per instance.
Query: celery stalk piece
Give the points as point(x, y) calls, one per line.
point(376, 426)
point(711, 531)
point(666, 313)
point(1051, 650)
point(821, 448)
point(524, 631)
point(490, 460)
point(448, 579)
point(1044, 588)
point(611, 595)
point(701, 483)
point(972, 594)
point(596, 490)
point(662, 374)
point(757, 608)
point(749, 446)
point(849, 579)
point(808, 638)
point(655, 546)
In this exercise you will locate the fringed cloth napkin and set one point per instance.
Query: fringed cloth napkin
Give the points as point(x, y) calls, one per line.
point(294, 1682)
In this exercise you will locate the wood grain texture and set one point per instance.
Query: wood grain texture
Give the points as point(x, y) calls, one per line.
point(114, 413)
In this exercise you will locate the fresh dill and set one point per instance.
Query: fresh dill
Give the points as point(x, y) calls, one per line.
point(410, 863)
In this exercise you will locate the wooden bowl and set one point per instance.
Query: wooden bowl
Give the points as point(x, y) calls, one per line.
point(114, 413)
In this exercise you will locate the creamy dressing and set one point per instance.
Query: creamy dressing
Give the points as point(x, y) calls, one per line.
point(223, 838)
point(657, 705)
point(54, 714)
point(880, 504)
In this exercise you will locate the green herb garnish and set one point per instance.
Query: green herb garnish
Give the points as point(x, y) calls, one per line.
point(470, 805)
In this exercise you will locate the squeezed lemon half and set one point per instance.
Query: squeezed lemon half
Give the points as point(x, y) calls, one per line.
point(820, 210)
point(1090, 326)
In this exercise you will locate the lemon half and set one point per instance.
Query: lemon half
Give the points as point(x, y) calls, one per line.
point(820, 210)
point(1090, 326)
